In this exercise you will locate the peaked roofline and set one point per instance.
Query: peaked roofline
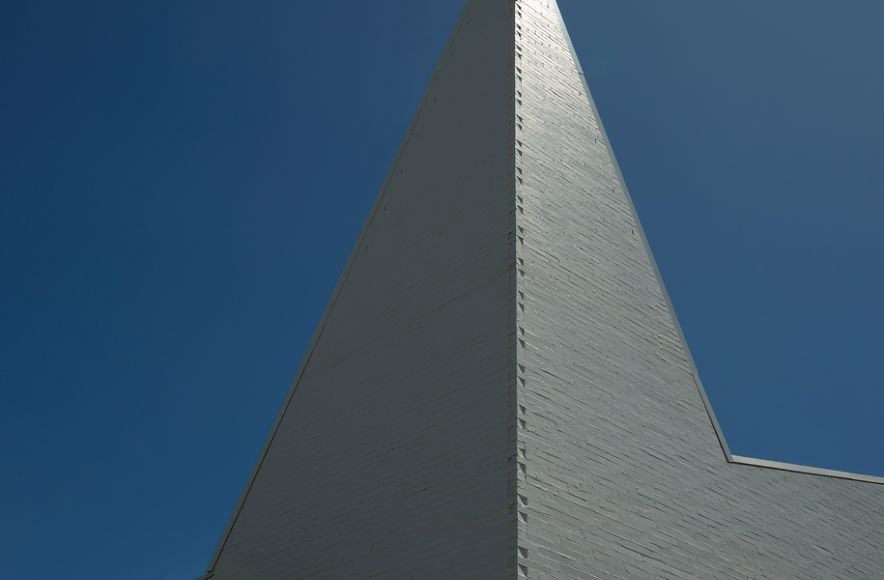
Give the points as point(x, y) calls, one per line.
point(719, 433)
point(729, 457)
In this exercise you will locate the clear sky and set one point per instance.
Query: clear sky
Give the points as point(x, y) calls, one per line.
point(182, 182)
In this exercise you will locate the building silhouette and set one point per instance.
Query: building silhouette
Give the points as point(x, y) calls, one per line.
point(499, 387)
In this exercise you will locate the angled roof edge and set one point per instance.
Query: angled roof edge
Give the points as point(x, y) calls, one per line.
point(739, 460)
point(729, 457)
point(345, 272)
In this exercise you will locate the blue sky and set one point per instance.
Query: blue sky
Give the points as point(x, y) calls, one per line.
point(182, 183)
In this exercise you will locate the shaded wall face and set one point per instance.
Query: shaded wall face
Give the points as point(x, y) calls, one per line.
point(391, 460)
point(624, 476)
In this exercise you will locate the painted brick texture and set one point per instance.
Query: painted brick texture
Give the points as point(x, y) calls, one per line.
point(499, 387)
point(391, 460)
point(624, 476)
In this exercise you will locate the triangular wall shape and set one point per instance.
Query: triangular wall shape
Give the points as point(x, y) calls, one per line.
point(391, 457)
point(499, 387)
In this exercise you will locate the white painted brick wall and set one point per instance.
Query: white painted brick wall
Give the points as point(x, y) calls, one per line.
point(499, 388)
point(625, 477)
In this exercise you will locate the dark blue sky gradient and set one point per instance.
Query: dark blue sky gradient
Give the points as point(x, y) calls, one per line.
point(182, 183)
